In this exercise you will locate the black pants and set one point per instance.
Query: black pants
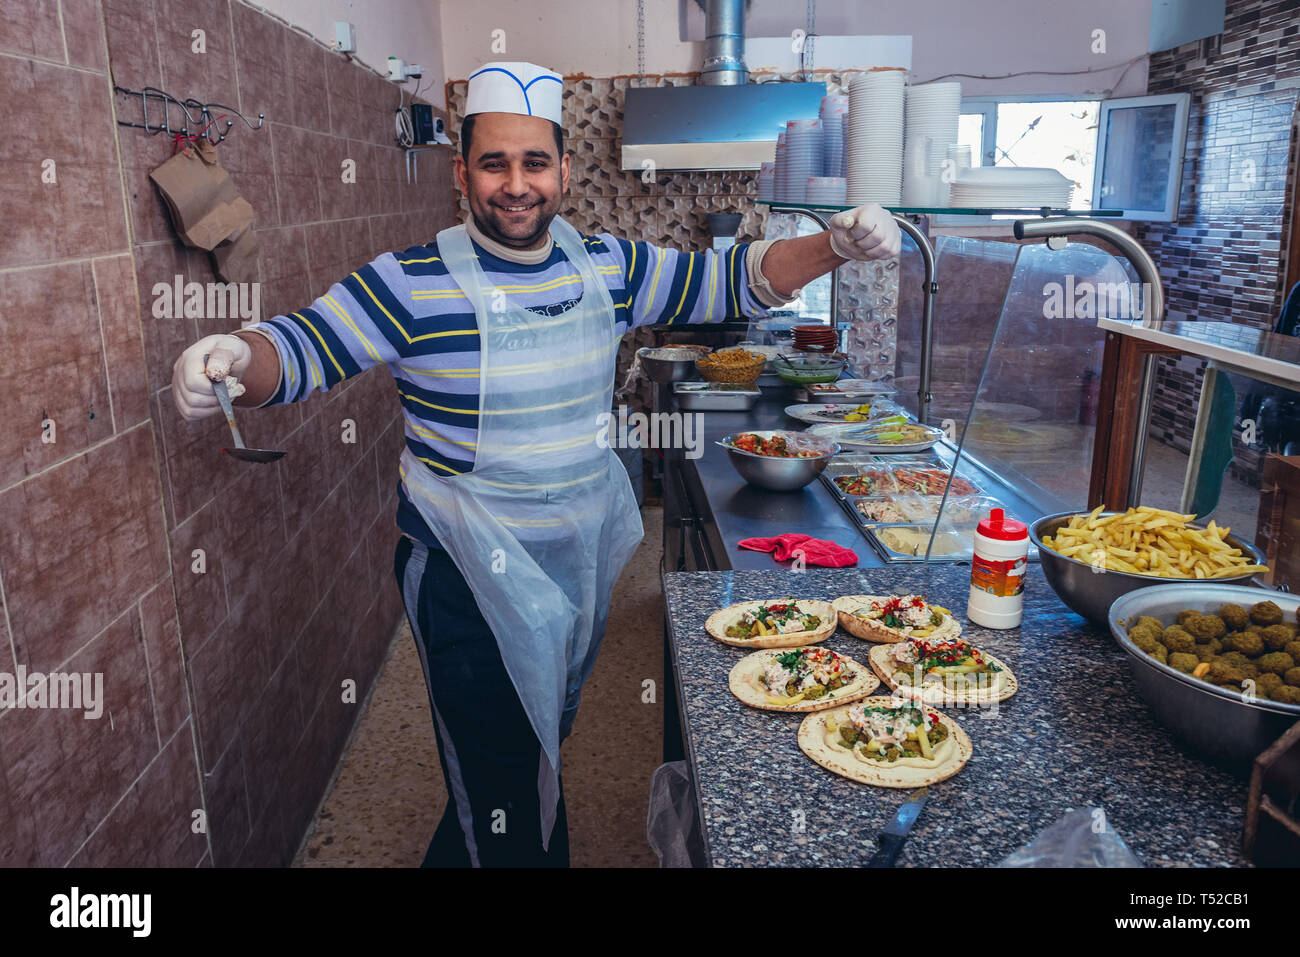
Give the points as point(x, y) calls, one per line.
point(489, 753)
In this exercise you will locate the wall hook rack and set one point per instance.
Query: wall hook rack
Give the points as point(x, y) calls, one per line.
point(204, 118)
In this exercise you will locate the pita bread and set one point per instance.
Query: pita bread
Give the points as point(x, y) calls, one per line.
point(718, 623)
point(816, 742)
point(1002, 687)
point(745, 684)
point(874, 630)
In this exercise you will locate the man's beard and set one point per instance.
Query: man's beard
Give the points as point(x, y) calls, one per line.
point(498, 226)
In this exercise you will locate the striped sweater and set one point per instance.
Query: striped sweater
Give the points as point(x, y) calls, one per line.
point(405, 311)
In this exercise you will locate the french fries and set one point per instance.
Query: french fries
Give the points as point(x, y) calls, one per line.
point(1151, 541)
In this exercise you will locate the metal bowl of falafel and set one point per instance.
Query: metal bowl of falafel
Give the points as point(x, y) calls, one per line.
point(1219, 665)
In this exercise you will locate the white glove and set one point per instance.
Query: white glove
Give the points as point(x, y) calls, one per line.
point(867, 232)
point(228, 358)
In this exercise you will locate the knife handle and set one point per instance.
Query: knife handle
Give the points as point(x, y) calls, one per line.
point(887, 853)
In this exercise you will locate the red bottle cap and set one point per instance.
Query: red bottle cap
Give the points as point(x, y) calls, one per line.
point(998, 526)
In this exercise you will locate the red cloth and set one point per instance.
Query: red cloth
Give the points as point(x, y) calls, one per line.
point(816, 551)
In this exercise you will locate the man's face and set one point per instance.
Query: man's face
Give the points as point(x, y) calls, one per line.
point(513, 178)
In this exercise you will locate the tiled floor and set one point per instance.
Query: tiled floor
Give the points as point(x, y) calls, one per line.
point(1162, 487)
point(388, 792)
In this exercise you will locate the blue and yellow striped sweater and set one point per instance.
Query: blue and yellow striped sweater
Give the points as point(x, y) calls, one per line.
point(404, 310)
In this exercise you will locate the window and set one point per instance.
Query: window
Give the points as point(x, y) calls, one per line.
point(1056, 133)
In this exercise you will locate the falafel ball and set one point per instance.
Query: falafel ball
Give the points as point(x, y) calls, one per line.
point(1266, 613)
point(1287, 694)
point(1292, 676)
point(1144, 640)
point(1267, 684)
point(1235, 617)
point(1223, 672)
point(1152, 634)
point(1248, 643)
point(1185, 615)
point(1278, 662)
point(1176, 638)
point(1276, 637)
point(1160, 654)
point(1204, 652)
point(1293, 649)
point(1205, 627)
point(1249, 669)
point(1183, 661)
point(1148, 622)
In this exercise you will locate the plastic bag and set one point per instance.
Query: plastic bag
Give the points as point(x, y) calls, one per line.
point(1082, 838)
point(672, 823)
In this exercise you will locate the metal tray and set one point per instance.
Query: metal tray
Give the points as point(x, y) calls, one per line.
point(697, 397)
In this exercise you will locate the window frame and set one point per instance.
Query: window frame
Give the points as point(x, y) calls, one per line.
point(1174, 182)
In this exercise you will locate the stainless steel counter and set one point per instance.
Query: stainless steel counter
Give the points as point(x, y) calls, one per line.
point(708, 507)
point(725, 508)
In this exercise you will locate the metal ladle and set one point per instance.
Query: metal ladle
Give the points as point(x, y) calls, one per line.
point(240, 451)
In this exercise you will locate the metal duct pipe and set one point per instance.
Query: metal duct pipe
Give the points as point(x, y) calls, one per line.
point(724, 43)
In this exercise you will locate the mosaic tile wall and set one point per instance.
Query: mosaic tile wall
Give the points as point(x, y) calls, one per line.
point(1223, 260)
point(670, 209)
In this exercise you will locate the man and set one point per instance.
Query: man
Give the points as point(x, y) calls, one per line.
point(501, 336)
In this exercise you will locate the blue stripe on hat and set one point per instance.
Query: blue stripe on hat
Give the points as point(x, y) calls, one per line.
point(523, 88)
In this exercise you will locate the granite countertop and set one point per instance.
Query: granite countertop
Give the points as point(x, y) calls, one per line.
point(1075, 735)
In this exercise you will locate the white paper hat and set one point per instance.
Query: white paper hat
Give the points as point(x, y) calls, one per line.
point(515, 88)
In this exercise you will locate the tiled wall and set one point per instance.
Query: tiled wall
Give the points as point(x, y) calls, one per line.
point(225, 604)
point(1223, 259)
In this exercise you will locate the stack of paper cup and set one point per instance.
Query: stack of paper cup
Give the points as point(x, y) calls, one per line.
point(873, 151)
point(832, 113)
point(933, 112)
point(826, 191)
point(766, 182)
point(780, 177)
point(803, 154)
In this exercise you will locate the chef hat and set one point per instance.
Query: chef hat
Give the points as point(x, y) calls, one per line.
point(515, 88)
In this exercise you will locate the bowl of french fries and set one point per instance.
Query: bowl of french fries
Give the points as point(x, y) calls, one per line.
point(1092, 558)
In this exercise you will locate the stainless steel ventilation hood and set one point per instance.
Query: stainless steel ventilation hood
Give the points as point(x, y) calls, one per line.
point(728, 123)
point(712, 127)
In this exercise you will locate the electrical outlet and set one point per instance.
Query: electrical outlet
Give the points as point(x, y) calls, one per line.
point(396, 69)
point(414, 72)
point(345, 37)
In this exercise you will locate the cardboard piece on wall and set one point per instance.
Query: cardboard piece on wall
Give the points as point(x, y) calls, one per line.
point(204, 205)
point(236, 259)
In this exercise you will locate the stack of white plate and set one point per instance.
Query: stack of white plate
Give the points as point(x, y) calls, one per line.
point(803, 155)
point(826, 190)
point(780, 178)
point(832, 113)
point(1011, 186)
point(873, 138)
point(766, 182)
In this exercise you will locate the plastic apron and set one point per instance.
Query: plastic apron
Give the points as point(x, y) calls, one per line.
point(544, 523)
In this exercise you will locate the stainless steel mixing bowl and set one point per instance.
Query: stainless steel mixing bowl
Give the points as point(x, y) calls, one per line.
point(1226, 726)
point(779, 474)
point(1091, 592)
point(680, 366)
